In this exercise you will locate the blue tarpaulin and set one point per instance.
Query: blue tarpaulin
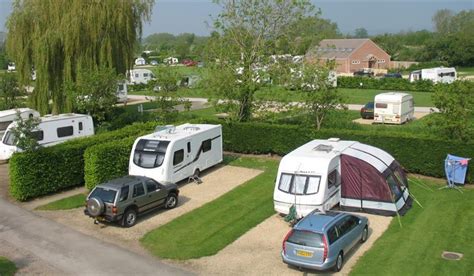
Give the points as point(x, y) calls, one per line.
point(455, 168)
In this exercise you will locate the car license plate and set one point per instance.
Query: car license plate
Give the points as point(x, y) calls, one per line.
point(303, 253)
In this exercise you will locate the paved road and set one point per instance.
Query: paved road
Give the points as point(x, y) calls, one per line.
point(70, 251)
point(199, 103)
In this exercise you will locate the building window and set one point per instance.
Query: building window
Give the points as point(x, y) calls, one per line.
point(356, 62)
point(381, 61)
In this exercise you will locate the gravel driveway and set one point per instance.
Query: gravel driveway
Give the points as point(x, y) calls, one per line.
point(258, 251)
point(216, 182)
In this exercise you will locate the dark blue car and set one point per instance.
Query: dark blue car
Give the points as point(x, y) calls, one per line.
point(321, 240)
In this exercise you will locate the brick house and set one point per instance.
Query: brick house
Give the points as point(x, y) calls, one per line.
point(350, 54)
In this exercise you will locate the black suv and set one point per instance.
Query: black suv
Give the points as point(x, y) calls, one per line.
point(123, 199)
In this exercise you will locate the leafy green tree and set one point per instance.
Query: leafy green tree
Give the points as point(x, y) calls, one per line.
point(10, 92)
point(25, 136)
point(166, 84)
point(442, 21)
point(361, 33)
point(321, 96)
point(456, 104)
point(60, 38)
point(246, 28)
point(95, 92)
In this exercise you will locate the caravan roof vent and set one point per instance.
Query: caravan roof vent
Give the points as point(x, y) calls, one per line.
point(191, 128)
point(169, 128)
point(334, 139)
point(322, 147)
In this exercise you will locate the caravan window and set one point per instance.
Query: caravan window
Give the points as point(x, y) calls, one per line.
point(145, 75)
point(65, 131)
point(299, 184)
point(178, 157)
point(38, 135)
point(81, 126)
point(332, 179)
point(206, 145)
point(381, 105)
point(9, 139)
point(150, 153)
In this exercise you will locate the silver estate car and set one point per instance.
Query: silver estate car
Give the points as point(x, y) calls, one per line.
point(321, 240)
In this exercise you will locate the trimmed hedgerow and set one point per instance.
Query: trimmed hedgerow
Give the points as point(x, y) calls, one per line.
point(106, 161)
point(385, 84)
point(52, 169)
point(417, 154)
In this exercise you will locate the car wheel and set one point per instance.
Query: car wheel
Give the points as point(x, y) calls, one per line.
point(339, 262)
point(365, 235)
point(171, 201)
point(95, 206)
point(129, 218)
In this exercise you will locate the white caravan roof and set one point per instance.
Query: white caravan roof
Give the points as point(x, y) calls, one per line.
point(49, 117)
point(172, 133)
point(10, 112)
point(314, 157)
point(391, 97)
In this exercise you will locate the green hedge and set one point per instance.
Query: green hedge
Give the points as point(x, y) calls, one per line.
point(106, 161)
point(55, 168)
point(385, 84)
point(417, 154)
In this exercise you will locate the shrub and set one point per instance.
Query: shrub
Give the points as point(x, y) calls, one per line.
point(52, 169)
point(385, 84)
point(417, 154)
point(106, 161)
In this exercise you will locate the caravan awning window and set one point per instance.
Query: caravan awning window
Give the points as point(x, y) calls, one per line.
point(150, 153)
point(299, 184)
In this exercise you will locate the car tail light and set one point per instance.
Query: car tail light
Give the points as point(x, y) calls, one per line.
point(114, 210)
point(325, 254)
point(285, 239)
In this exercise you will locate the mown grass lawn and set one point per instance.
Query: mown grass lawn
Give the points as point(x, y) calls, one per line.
point(71, 202)
point(274, 93)
point(446, 223)
point(7, 268)
point(208, 229)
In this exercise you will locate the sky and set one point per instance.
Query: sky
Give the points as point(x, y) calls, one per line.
point(376, 16)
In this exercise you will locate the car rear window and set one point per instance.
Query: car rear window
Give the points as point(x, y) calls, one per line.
point(104, 194)
point(306, 238)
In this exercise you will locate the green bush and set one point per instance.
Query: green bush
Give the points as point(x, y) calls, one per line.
point(55, 168)
point(385, 84)
point(417, 154)
point(106, 161)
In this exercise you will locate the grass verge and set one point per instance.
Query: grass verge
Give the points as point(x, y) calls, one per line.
point(208, 229)
point(67, 203)
point(445, 223)
point(7, 268)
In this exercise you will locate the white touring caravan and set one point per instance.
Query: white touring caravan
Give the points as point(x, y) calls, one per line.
point(436, 75)
point(140, 76)
point(324, 173)
point(52, 130)
point(393, 108)
point(172, 154)
point(8, 116)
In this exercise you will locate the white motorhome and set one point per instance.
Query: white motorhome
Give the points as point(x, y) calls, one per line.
point(323, 173)
point(172, 154)
point(436, 75)
point(52, 130)
point(140, 61)
point(140, 76)
point(8, 116)
point(122, 92)
point(393, 108)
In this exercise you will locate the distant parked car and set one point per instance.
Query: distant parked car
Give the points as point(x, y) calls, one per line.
point(363, 73)
point(154, 62)
point(189, 62)
point(367, 112)
point(393, 75)
point(123, 199)
point(321, 240)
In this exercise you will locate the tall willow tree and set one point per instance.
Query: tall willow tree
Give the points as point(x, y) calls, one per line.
point(61, 38)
